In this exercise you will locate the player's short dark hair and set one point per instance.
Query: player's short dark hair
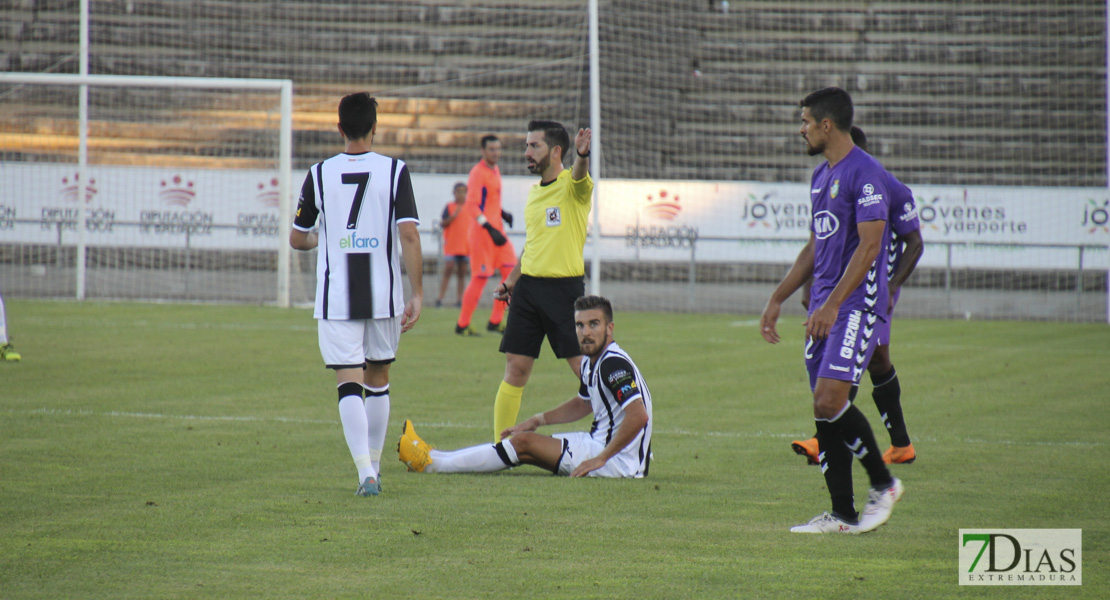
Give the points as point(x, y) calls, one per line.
point(554, 134)
point(458, 184)
point(859, 138)
point(831, 103)
point(486, 139)
point(592, 302)
point(358, 113)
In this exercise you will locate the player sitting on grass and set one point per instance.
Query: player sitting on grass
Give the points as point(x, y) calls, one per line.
point(612, 390)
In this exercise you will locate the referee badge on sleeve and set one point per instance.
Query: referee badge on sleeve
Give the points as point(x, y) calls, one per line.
point(554, 217)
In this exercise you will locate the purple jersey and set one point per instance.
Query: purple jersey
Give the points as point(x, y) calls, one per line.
point(903, 220)
point(852, 192)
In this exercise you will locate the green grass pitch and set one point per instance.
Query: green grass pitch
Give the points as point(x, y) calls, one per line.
point(194, 451)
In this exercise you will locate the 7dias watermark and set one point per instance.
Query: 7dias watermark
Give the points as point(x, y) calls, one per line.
point(1021, 557)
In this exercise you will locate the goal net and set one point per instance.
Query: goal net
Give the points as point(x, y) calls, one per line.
point(993, 113)
point(180, 197)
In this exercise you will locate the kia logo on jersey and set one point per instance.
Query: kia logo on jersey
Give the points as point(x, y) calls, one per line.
point(825, 224)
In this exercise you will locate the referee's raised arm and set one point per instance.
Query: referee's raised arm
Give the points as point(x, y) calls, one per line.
point(581, 166)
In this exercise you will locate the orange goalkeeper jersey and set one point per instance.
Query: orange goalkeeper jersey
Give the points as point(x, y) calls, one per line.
point(483, 194)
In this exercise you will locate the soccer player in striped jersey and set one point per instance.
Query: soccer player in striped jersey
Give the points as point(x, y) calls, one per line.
point(611, 389)
point(363, 206)
point(906, 247)
point(847, 235)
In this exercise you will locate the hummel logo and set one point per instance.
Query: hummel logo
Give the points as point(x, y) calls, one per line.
point(839, 368)
point(815, 191)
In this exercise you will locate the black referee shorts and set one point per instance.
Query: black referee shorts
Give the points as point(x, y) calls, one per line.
point(543, 306)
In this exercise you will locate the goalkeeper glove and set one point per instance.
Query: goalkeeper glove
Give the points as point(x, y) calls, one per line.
point(497, 237)
point(507, 217)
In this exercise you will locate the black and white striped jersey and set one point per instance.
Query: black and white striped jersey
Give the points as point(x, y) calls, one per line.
point(609, 385)
point(357, 200)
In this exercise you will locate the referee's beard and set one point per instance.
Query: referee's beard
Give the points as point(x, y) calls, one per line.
point(540, 167)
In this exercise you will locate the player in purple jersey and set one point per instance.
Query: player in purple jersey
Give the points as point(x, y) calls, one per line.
point(849, 297)
point(905, 250)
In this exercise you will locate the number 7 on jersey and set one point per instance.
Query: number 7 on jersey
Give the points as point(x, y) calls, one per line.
point(356, 206)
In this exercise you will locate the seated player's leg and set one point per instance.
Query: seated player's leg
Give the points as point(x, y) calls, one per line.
point(578, 447)
point(418, 456)
point(540, 450)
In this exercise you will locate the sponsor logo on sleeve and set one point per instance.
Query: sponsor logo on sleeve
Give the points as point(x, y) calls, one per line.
point(869, 197)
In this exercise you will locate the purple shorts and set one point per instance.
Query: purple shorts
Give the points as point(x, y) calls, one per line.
point(882, 328)
point(882, 332)
point(844, 354)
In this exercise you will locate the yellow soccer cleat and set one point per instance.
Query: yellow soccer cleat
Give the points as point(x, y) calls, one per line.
point(8, 353)
point(412, 450)
point(899, 455)
point(807, 448)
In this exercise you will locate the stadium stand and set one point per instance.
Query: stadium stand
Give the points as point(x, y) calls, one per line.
point(715, 90)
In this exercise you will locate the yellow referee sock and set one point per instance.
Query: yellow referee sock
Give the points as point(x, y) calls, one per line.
point(505, 408)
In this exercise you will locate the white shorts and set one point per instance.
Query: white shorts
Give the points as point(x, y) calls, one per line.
point(579, 446)
point(349, 344)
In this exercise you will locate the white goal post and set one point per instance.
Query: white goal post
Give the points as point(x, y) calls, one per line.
point(282, 166)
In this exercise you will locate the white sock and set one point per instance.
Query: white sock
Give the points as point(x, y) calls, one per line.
point(377, 421)
point(353, 416)
point(475, 459)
